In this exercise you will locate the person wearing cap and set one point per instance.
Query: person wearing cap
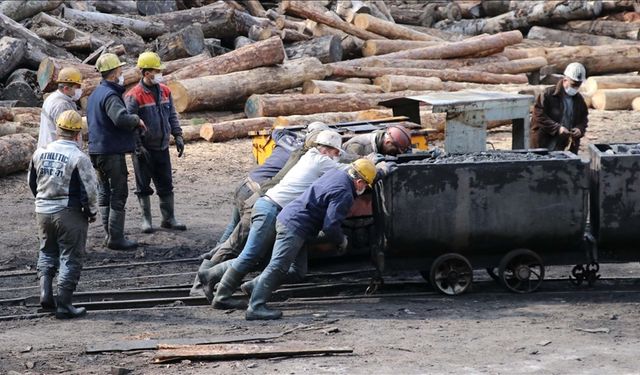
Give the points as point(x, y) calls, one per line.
point(313, 164)
point(112, 134)
point(152, 101)
point(284, 156)
point(63, 99)
point(321, 209)
point(63, 181)
point(560, 114)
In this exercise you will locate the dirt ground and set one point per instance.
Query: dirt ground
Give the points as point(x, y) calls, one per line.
point(481, 332)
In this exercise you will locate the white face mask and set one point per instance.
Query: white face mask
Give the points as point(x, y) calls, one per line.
point(571, 91)
point(361, 191)
point(77, 93)
point(158, 78)
point(121, 80)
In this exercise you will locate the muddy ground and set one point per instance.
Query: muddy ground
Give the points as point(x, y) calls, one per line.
point(483, 332)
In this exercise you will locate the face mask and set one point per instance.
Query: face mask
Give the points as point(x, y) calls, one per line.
point(361, 191)
point(121, 80)
point(571, 91)
point(158, 78)
point(335, 158)
point(77, 93)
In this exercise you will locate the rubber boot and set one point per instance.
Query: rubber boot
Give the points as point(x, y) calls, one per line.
point(46, 293)
point(65, 310)
point(223, 299)
point(104, 214)
point(258, 309)
point(196, 288)
point(209, 277)
point(247, 287)
point(168, 219)
point(117, 241)
point(145, 207)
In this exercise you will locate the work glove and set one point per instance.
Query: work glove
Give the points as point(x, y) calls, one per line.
point(576, 133)
point(179, 145)
point(375, 157)
point(385, 168)
point(342, 248)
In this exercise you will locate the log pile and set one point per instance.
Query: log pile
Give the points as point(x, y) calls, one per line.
point(229, 62)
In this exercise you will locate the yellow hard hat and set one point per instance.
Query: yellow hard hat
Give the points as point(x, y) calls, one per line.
point(108, 61)
point(149, 60)
point(70, 120)
point(365, 169)
point(70, 75)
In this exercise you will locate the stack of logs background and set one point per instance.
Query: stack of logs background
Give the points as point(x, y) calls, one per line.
point(240, 66)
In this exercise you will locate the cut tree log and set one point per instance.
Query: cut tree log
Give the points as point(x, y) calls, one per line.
point(7, 128)
point(334, 87)
point(190, 133)
point(26, 115)
point(43, 19)
point(391, 83)
point(311, 11)
point(241, 41)
point(217, 20)
point(37, 48)
point(50, 67)
point(117, 6)
point(282, 22)
point(436, 64)
point(593, 84)
point(245, 21)
point(635, 104)
point(228, 130)
point(348, 9)
point(12, 52)
point(389, 29)
point(255, 8)
point(258, 33)
point(327, 49)
point(570, 38)
point(376, 47)
point(614, 29)
point(263, 53)
point(15, 152)
point(471, 9)
point(149, 8)
point(19, 10)
point(132, 75)
point(452, 50)
point(614, 99)
point(528, 65)
point(54, 33)
point(6, 114)
point(212, 92)
point(443, 74)
point(350, 44)
point(180, 44)
point(273, 105)
point(332, 117)
point(292, 36)
point(22, 86)
point(145, 29)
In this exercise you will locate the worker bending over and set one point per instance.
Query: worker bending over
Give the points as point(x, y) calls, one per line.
point(320, 210)
point(62, 179)
point(560, 115)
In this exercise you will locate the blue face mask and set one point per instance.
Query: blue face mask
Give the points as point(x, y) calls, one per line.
point(571, 91)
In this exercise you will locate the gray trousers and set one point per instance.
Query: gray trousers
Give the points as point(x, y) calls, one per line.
point(63, 237)
point(113, 189)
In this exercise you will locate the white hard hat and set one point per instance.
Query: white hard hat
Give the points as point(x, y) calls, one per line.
point(316, 125)
point(329, 138)
point(576, 72)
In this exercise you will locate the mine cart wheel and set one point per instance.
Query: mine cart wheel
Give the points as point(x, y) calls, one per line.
point(493, 273)
point(451, 274)
point(521, 271)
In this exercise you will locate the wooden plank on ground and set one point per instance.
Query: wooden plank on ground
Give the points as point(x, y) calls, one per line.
point(128, 345)
point(242, 351)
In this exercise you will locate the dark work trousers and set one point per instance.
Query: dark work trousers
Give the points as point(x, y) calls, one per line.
point(157, 167)
point(63, 237)
point(111, 170)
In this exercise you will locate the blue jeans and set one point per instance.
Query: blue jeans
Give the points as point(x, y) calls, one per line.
point(261, 236)
point(287, 256)
point(63, 237)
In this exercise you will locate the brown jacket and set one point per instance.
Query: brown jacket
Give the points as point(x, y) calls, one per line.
point(547, 118)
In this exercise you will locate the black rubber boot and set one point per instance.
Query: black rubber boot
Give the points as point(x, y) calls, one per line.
point(46, 292)
point(168, 218)
point(209, 277)
point(117, 241)
point(145, 207)
point(223, 299)
point(266, 284)
point(247, 287)
point(65, 309)
point(104, 215)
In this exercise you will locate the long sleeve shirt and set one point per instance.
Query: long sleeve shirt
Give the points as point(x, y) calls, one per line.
point(61, 176)
point(53, 106)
